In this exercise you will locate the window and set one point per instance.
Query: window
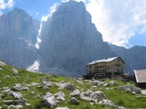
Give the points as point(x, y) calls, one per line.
point(90, 67)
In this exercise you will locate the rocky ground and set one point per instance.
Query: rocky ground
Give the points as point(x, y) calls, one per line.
point(20, 89)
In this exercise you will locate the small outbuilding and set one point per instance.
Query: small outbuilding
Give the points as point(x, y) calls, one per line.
point(140, 76)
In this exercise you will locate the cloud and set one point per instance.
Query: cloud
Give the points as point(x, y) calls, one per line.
point(118, 20)
point(52, 10)
point(74, 0)
point(6, 4)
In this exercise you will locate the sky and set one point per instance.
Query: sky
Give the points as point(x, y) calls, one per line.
point(121, 22)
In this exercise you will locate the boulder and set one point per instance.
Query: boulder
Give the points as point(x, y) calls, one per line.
point(49, 100)
point(61, 85)
point(15, 72)
point(7, 76)
point(15, 102)
point(75, 93)
point(134, 90)
point(80, 82)
point(46, 84)
point(97, 95)
point(60, 96)
point(73, 100)
point(94, 88)
point(96, 82)
point(107, 102)
point(137, 90)
point(112, 83)
point(1, 69)
point(70, 87)
point(16, 95)
point(106, 85)
point(2, 64)
point(37, 96)
point(92, 96)
point(18, 87)
point(86, 95)
point(32, 84)
point(15, 107)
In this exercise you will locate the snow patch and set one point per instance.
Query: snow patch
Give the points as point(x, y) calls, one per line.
point(34, 67)
point(37, 45)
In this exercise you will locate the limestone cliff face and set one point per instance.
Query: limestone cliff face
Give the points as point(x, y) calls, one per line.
point(133, 57)
point(18, 33)
point(70, 40)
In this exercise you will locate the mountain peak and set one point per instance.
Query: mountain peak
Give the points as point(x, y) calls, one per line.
point(18, 11)
point(71, 40)
point(71, 5)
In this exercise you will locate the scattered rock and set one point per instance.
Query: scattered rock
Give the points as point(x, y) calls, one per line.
point(70, 87)
point(5, 88)
point(46, 84)
point(27, 104)
point(16, 95)
point(97, 95)
point(106, 85)
point(7, 76)
point(15, 107)
point(49, 100)
point(107, 102)
point(15, 72)
point(79, 81)
point(32, 84)
point(18, 87)
point(134, 90)
point(75, 93)
point(2, 63)
point(37, 96)
point(96, 82)
point(86, 95)
point(45, 87)
point(94, 88)
point(1, 69)
point(60, 96)
point(15, 102)
point(112, 83)
point(73, 100)
point(62, 108)
point(92, 96)
point(121, 107)
point(61, 85)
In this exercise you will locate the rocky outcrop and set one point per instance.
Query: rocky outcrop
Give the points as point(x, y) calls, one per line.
point(134, 90)
point(70, 40)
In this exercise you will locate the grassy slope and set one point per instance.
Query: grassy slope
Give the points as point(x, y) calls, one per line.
point(127, 100)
